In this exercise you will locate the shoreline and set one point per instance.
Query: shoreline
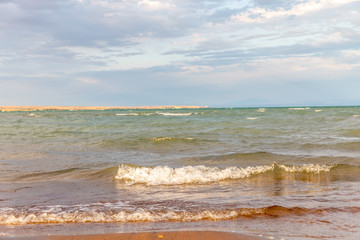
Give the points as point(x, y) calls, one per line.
point(175, 235)
point(79, 108)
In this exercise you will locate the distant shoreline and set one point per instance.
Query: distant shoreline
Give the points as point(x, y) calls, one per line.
point(99, 108)
point(79, 108)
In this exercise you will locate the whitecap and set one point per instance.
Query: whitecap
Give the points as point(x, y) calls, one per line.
point(140, 215)
point(158, 139)
point(174, 114)
point(127, 114)
point(163, 175)
point(310, 168)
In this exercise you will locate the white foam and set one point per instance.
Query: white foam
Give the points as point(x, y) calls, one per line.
point(299, 109)
point(159, 139)
point(174, 114)
point(140, 215)
point(310, 168)
point(163, 175)
point(261, 110)
point(127, 114)
point(251, 118)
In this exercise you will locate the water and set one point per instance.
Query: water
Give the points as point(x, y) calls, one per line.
point(290, 173)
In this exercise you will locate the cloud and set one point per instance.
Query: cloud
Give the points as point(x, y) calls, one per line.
point(260, 14)
point(155, 5)
point(136, 51)
point(86, 80)
point(10, 11)
point(275, 3)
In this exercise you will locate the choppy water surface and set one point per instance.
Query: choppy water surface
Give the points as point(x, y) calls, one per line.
point(290, 173)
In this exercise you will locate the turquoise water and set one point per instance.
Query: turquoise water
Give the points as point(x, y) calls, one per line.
point(289, 173)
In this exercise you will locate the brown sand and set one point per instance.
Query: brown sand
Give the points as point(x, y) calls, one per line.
point(76, 108)
point(182, 235)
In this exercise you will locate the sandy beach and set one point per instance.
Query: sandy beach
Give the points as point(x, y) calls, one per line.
point(182, 235)
point(78, 108)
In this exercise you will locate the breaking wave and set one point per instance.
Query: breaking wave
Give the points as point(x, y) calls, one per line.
point(163, 175)
point(157, 113)
point(174, 114)
point(161, 139)
point(131, 174)
point(115, 212)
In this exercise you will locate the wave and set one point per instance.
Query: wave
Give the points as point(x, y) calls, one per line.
point(230, 159)
point(134, 114)
point(157, 143)
point(115, 212)
point(69, 173)
point(174, 114)
point(158, 113)
point(299, 108)
point(127, 114)
point(63, 173)
point(131, 174)
point(353, 133)
point(345, 146)
point(162, 139)
point(163, 175)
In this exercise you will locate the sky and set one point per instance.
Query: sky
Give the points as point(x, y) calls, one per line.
point(222, 53)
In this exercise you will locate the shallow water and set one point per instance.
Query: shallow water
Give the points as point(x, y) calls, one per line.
point(290, 173)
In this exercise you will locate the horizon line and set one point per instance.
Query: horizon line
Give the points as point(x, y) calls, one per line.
point(9, 108)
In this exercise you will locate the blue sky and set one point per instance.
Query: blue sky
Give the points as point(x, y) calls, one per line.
point(180, 52)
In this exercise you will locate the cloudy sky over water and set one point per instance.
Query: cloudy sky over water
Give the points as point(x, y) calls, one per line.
point(162, 52)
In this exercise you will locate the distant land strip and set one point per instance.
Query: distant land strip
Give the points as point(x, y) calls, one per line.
point(78, 108)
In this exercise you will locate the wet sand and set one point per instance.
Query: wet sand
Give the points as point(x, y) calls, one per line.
point(77, 108)
point(182, 235)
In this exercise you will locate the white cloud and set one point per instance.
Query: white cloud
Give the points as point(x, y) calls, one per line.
point(335, 37)
point(196, 38)
point(87, 80)
point(156, 5)
point(9, 12)
point(197, 69)
point(352, 53)
point(271, 70)
point(294, 65)
point(43, 75)
point(261, 15)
